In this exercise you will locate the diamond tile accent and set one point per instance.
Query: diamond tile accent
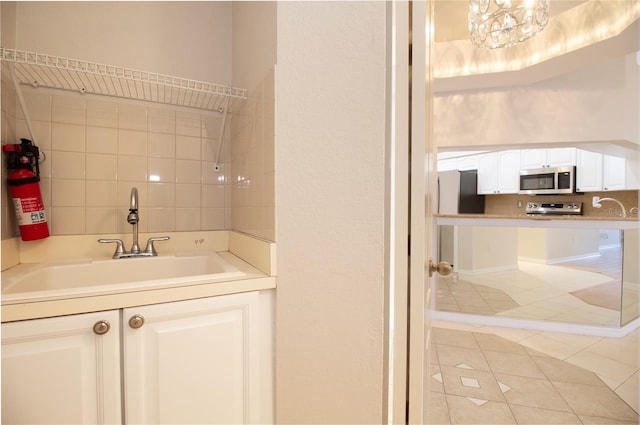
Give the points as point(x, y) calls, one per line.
point(437, 377)
point(503, 387)
point(464, 366)
point(470, 382)
point(477, 401)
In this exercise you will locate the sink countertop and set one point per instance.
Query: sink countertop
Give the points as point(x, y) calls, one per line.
point(253, 257)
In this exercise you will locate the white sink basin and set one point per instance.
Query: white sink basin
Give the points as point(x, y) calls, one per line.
point(106, 275)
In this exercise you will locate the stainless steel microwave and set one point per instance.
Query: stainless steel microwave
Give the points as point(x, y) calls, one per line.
point(548, 181)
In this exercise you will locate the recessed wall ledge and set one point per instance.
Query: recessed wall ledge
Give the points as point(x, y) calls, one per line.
point(580, 31)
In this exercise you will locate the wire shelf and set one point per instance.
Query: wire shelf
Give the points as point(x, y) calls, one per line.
point(42, 70)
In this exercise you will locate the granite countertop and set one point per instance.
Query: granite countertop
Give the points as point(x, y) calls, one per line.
point(544, 217)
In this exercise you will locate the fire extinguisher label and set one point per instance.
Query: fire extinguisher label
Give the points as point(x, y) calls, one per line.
point(29, 211)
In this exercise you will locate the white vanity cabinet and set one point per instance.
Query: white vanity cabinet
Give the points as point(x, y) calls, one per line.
point(62, 370)
point(498, 172)
point(194, 361)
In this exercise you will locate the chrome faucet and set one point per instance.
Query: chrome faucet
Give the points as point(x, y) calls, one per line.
point(133, 219)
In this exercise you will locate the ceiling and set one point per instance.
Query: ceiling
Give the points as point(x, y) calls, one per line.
point(451, 17)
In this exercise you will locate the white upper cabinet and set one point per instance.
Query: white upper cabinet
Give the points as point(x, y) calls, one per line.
point(552, 157)
point(614, 173)
point(498, 172)
point(468, 163)
point(588, 171)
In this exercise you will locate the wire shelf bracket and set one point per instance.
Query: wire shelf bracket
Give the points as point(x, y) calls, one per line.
point(43, 70)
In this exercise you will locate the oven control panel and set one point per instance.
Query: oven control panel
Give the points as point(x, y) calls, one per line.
point(554, 208)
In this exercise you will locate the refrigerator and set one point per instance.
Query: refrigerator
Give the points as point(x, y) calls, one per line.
point(458, 192)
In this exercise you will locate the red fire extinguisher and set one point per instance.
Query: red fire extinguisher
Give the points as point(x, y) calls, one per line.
point(24, 186)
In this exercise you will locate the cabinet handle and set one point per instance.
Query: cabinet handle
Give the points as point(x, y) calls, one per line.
point(101, 327)
point(136, 321)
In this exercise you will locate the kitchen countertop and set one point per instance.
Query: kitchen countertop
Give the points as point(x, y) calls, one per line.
point(520, 220)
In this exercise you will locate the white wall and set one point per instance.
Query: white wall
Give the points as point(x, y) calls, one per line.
point(330, 203)
point(185, 39)
point(587, 105)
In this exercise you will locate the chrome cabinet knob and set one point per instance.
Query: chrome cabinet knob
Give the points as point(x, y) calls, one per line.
point(443, 268)
point(136, 321)
point(101, 327)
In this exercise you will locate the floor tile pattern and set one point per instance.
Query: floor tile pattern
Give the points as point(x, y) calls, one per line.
point(482, 378)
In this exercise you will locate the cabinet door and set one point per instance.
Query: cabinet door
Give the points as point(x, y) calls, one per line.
point(508, 171)
point(588, 171)
point(533, 158)
point(558, 157)
point(613, 173)
point(488, 173)
point(59, 371)
point(193, 361)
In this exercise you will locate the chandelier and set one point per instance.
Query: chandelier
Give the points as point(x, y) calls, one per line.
point(504, 23)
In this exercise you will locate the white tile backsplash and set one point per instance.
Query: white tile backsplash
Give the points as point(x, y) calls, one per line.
point(68, 109)
point(132, 142)
point(132, 117)
point(98, 148)
point(188, 147)
point(67, 165)
point(102, 113)
point(101, 167)
point(68, 137)
point(102, 140)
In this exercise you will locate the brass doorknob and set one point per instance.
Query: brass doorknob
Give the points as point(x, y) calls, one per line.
point(443, 268)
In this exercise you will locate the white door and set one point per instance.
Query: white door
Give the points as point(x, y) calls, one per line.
point(61, 370)
point(193, 361)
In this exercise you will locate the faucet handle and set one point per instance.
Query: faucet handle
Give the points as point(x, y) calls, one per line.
point(151, 249)
point(119, 247)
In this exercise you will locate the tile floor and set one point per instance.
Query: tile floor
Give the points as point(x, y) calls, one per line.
point(490, 375)
point(534, 291)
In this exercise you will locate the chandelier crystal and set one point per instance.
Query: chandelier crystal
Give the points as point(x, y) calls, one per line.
point(504, 23)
